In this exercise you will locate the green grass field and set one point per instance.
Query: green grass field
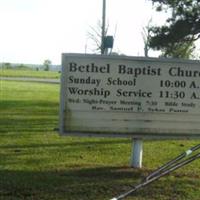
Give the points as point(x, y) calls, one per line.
point(37, 164)
point(28, 73)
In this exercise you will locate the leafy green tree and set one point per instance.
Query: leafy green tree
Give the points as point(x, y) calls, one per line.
point(6, 66)
point(46, 64)
point(177, 37)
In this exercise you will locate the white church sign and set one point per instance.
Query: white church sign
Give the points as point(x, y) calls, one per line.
point(129, 96)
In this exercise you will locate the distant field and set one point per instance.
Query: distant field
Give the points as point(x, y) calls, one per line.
point(28, 73)
point(37, 164)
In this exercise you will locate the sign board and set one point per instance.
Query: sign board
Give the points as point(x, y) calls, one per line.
point(129, 96)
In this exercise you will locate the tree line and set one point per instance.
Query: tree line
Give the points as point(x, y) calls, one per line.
point(176, 38)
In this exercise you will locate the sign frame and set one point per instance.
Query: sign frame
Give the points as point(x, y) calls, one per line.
point(135, 134)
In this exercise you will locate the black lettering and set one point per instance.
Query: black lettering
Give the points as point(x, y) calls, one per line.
point(91, 92)
point(138, 93)
point(193, 85)
point(177, 71)
point(172, 71)
point(138, 71)
point(72, 67)
point(92, 68)
point(122, 69)
point(194, 96)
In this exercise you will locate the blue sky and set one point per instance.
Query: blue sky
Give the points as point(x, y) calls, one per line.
point(35, 30)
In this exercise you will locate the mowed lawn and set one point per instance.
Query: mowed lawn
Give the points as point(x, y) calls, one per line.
point(37, 164)
point(28, 73)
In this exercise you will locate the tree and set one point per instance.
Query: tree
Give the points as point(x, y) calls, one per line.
point(95, 36)
point(47, 64)
point(177, 37)
point(146, 38)
point(7, 66)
